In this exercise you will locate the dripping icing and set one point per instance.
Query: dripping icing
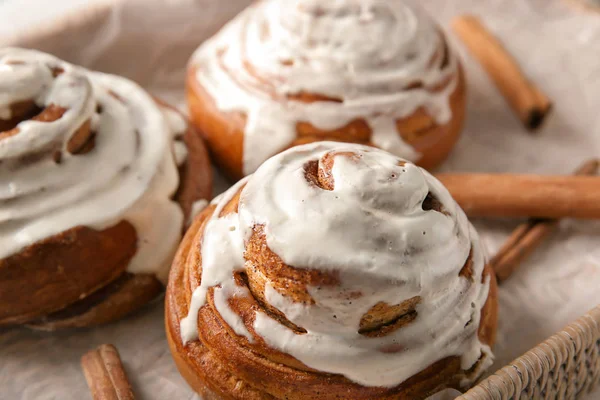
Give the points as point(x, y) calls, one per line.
point(335, 50)
point(130, 174)
point(361, 230)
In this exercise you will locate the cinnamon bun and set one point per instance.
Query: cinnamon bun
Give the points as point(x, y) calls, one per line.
point(97, 179)
point(334, 271)
point(374, 72)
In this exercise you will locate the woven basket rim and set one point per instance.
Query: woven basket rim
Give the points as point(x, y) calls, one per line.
point(566, 365)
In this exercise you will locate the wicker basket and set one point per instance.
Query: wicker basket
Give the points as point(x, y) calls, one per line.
point(566, 366)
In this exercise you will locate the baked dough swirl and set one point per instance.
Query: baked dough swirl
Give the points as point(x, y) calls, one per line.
point(335, 271)
point(375, 72)
point(88, 161)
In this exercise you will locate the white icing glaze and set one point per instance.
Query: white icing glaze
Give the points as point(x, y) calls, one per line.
point(336, 49)
point(197, 208)
point(178, 126)
point(129, 175)
point(371, 229)
point(217, 267)
point(180, 152)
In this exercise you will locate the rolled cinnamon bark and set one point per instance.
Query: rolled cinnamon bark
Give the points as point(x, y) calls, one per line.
point(528, 236)
point(506, 195)
point(105, 374)
point(526, 99)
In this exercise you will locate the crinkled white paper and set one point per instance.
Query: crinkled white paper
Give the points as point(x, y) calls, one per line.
point(558, 45)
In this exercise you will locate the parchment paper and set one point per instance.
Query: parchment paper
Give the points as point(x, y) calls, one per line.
point(150, 41)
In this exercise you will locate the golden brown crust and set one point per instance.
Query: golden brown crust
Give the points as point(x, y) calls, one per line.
point(224, 131)
point(119, 298)
point(47, 276)
point(20, 111)
point(224, 365)
point(195, 176)
point(488, 325)
point(78, 278)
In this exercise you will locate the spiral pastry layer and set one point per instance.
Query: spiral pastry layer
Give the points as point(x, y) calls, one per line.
point(85, 149)
point(338, 269)
point(374, 72)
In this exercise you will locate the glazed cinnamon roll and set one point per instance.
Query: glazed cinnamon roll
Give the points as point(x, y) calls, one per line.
point(334, 271)
point(375, 72)
point(96, 186)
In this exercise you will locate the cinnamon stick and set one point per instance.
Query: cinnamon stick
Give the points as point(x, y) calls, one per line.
point(506, 195)
point(527, 236)
point(525, 98)
point(105, 374)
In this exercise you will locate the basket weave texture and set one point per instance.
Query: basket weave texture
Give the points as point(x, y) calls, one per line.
point(565, 366)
